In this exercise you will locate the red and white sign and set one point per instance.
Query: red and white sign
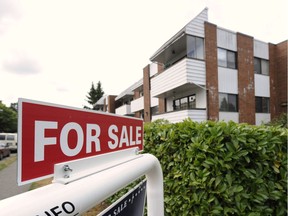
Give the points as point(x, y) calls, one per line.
point(49, 134)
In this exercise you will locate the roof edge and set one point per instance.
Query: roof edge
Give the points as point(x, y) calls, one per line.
point(173, 38)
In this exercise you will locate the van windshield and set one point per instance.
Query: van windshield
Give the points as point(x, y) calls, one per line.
point(10, 137)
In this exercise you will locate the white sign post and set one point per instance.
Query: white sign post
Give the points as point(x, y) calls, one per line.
point(77, 197)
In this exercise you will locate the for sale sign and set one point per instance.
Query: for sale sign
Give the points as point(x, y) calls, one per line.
point(49, 134)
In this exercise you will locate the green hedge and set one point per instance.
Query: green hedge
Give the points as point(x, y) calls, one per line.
point(218, 168)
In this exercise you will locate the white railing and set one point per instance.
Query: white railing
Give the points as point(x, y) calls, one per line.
point(185, 71)
point(137, 105)
point(178, 116)
point(124, 110)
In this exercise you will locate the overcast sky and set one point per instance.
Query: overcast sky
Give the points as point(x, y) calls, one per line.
point(52, 50)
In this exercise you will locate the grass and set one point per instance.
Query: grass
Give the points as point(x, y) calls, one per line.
point(40, 183)
point(7, 161)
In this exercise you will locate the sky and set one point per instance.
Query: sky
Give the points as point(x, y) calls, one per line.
point(52, 50)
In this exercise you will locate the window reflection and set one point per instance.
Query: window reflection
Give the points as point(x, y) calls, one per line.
point(195, 47)
point(188, 102)
point(228, 102)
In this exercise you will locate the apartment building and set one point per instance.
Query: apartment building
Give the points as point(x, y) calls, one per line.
point(205, 72)
point(106, 103)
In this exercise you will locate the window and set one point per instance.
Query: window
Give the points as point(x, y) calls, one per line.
point(228, 102)
point(184, 103)
point(227, 58)
point(262, 104)
point(222, 58)
point(176, 104)
point(10, 137)
point(141, 93)
point(142, 114)
point(192, 101)
point(195, 47)
point(188, 102)
point(261, 66)
point(155, 110)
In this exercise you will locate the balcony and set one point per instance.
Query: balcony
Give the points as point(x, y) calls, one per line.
point(137, 105)
point(184, 74)
point(197, 115)
point(124, 110)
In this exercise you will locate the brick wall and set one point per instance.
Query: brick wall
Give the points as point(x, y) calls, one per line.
point(105, 106)
point(211, 71)
point(246, 83)
point(278, 67)
point(111, 103)
point(282, 67)
point(161, 101)
point(160, 68)
point(274, 104)
point(146, 91)
point(136, 96)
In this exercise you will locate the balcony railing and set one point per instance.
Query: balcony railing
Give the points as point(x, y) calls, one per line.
point(124, 110)
point(183, 72)
point(178, 116)
point(137, 105)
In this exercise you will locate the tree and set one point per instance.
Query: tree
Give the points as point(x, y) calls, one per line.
point(14, 106)
point(94, 94)
point(8, 119)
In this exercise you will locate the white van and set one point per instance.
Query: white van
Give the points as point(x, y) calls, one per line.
point(9, 139)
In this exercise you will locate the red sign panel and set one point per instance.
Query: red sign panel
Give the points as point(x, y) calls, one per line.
point(49, 134)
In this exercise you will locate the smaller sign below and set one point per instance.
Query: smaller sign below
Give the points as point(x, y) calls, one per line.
point(131, 204)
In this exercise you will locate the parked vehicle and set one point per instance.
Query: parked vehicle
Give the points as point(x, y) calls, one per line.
point(9, 139)
point(4, 151)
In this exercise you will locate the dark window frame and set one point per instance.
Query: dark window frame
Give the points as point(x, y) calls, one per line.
point(231, 102)
point(262, 104)
point(154, 110)
point(10, 137)
point(190, 104)
point(227, 61)
point(259, 67)
point(198, 43)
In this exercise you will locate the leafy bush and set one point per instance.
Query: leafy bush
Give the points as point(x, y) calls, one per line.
point(281, 121)
point(218, 168)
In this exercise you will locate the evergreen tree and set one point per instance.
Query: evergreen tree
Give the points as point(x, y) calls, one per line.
point(14, 106)
point(94, 94)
